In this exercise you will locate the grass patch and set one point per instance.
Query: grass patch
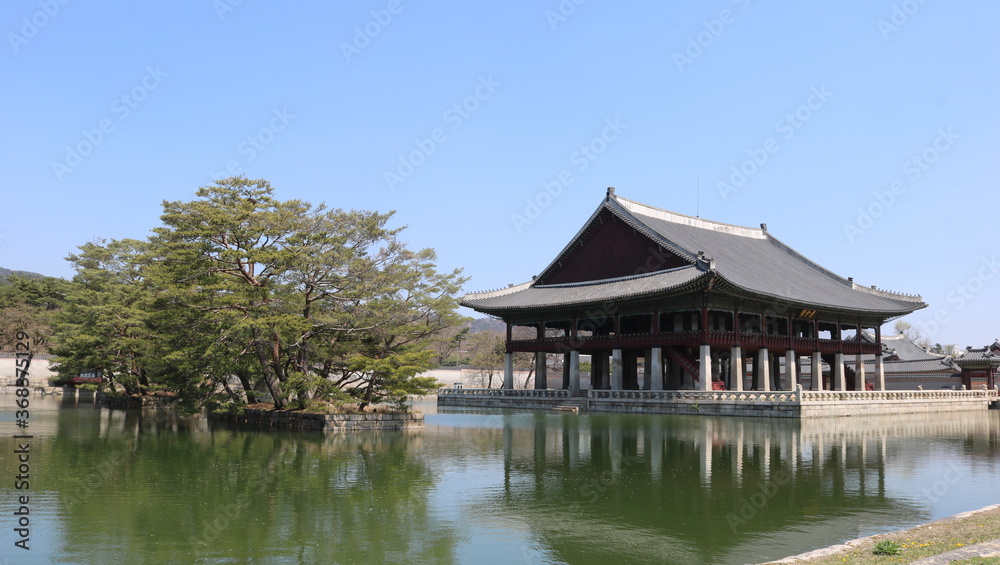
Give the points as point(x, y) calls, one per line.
point(887, 547)
point(977, 561)
point(923, 541)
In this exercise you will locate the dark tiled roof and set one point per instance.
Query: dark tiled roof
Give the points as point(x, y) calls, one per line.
point(749, 259)
point(912, 366)
point(981, 356)
point(905, 348)
point(528, 295)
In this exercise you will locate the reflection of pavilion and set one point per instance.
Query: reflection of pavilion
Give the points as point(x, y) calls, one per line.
point(708, 490)
point(699, 301)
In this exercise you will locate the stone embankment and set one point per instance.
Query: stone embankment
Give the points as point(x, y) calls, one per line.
point(325, 422)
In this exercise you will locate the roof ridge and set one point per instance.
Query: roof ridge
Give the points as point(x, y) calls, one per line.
point(678, 218)
point(501, 291)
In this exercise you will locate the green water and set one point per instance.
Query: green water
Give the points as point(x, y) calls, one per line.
point(109, 486)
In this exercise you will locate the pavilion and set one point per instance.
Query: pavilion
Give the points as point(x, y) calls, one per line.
point(705, 306)
point(980, 366)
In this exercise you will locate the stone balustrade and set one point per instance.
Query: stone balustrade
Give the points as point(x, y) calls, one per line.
point(502, 392)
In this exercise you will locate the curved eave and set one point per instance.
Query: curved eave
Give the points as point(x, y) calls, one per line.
point(902, 307)
point(566, 296)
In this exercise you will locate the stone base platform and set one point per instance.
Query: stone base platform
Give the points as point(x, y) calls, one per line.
point(778, 404)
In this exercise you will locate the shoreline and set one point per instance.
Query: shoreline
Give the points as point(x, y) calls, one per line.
point(840, 552)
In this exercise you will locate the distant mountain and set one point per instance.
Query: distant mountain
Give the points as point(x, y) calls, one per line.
point(487, 325)
point(4, 273)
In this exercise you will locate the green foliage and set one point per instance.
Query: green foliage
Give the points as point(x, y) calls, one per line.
point(30, 304)
point(299, 303)
point(887, 547)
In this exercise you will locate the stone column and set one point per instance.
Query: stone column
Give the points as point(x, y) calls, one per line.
point(616, 369)
point(574, 373)
point(879, 372)
point(508, 370)
point(817, 371)
point(838, 372)
point(859, 372)
point(791, 375)
point(655, 369)
point(541, 371)
point(736, 366)
point(565, 372)
point(763, 369)
point(705, 367)
point(647, 371)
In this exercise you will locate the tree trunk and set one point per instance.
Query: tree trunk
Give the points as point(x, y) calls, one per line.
point(270, 380)
point(247, 387)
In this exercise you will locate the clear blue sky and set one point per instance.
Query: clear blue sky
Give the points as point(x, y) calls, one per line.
point(326, 99)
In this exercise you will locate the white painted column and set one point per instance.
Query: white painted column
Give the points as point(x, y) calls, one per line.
point(616, 369)
point(647, 370)
point(705, 367)
point(817, 371)
point(791, 365)
point(859, 372)
point(574, 373)
point(541, 371)
point(838, 372)
point(508, 371)
point(736, 366)
point(763, 369)
point(879, 372)
point(655, 369)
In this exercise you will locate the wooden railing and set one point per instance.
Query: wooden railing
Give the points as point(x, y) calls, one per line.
point(715, 338)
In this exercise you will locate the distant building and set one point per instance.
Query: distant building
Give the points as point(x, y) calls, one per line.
point(39, 371)
point(980, 366)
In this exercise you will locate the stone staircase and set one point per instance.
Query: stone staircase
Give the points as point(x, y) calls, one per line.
point(575, 405)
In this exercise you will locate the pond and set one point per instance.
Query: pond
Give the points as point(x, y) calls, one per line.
point(479, 486)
